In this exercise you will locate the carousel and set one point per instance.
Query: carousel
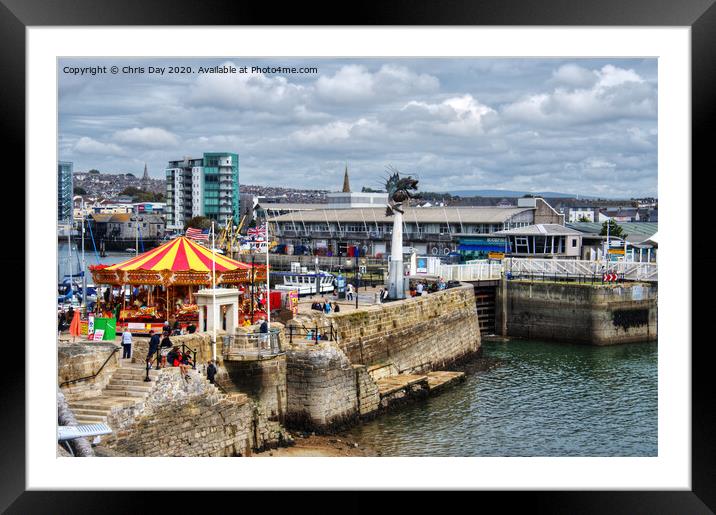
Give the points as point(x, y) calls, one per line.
point(160, 284)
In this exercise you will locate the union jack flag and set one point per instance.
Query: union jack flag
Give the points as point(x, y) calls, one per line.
point(197, 234)
point(257, 231)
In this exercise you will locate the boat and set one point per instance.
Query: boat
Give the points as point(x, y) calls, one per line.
point(305, 283)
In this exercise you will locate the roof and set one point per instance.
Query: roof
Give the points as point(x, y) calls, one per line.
point(642, 230)
point(179, 254)
point(287, 206)
point(422, 215)
point(540, 230)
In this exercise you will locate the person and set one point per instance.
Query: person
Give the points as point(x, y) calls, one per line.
point(126, 343)
point(384, 295)
point(441, 284)
point(174, 356)
point(263, 331)
point(165, 347)
point(336, 308)
point(349, 291)
point(153, 345)
point(211, 371)
point(326, 307)
point(184, 365)
point(60, 321)
point(419, 289)
point(167, 327)
point(70, 315)
point(191, 328)
point(175, 328)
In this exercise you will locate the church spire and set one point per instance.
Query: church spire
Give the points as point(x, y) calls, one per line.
point(145, 179)
point(346, 183)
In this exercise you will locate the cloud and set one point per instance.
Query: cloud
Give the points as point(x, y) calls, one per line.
point(87, 145)
point(582, 126)
point(574, 75)
point(152, 137)
point(355, 84)
point(456, 116)
point(616, 94)
point(251, 91)
point(336, 131)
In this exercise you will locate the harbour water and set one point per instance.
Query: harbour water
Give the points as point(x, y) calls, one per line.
point(531, 398)
point(72, 262)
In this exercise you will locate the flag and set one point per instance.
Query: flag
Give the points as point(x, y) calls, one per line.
point(257, 231)
point(197, 234)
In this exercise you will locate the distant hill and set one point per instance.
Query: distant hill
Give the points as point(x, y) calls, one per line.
point(513, 193)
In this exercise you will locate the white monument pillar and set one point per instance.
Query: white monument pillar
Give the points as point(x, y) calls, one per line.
point(396, 288)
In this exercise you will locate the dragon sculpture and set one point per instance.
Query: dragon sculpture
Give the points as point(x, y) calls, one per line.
point(399, 190)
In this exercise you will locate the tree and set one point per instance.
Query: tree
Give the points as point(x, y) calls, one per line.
point(583, 219)
point(614, 229)
point(141, 195)
point(93, 171)
point(198, 222)
point(79, 191)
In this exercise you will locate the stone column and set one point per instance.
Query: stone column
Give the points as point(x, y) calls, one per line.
point(396, 273)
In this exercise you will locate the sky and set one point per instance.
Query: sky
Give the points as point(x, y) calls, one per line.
point(580, 126)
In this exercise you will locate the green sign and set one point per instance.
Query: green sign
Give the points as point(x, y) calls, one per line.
point(108, 325)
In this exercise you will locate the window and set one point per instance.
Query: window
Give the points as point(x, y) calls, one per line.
point(521, 245)
point(574, 242)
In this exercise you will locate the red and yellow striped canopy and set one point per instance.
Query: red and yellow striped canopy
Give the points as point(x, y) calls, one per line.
point(178, 262)
point(179, 255)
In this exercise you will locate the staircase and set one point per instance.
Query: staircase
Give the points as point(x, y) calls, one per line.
point(125, 388)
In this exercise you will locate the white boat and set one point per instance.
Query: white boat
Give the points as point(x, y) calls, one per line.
point(305, 283)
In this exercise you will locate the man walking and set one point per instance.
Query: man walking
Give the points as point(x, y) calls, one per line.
point(153, 345)
point(126, 343)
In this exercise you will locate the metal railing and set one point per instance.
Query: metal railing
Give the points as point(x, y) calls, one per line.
point(244, 345)
point(72, 381)
point(563, 277)
point(631, 271)
point(313, 333)
point(470, 272)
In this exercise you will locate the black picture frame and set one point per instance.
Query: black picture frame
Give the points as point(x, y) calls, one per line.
point(700, 15)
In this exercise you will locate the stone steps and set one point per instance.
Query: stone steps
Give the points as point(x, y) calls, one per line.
point(91, 419)
point(131, 387)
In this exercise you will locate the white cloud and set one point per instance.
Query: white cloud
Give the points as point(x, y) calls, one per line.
point(87, 145)
point(355, 84)
point(152, 137)
point(251, 91)
point(337, 131)
point(457, 116)
point(574, 75)
point(617, 94)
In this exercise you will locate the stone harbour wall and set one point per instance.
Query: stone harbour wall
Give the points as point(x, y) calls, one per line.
point(193, 418)
point(416, 335)
point(200, 342)
point(83, 359)
point(263, 380)
point(321, 386)
point(581, 313)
